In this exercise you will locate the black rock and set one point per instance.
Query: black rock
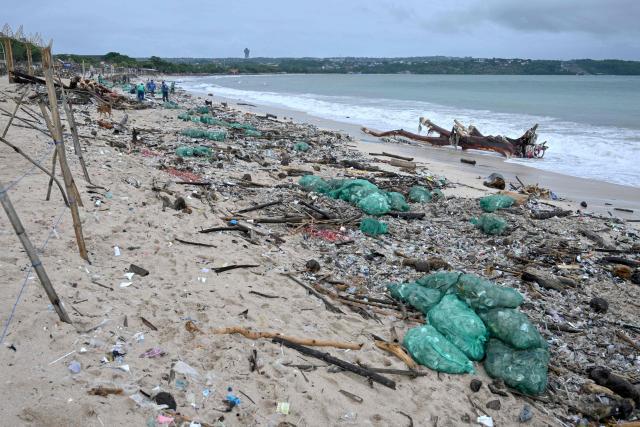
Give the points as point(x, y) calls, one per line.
point(583, 204)
point(475, 385)
point(164, 398)
point(635, 277)
point(599, 305)
point(313, 266)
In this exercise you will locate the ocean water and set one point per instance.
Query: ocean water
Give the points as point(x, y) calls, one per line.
point(591, 123)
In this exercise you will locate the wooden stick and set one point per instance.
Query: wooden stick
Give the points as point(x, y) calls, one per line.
point(56, 131)
point(338, 362)
point(33, 255)
point(397, 351)
point(315, 293)
point(395, 156)
point(15, 111)
point(326, 214)
point(52, 177)
point(302, 341)
point(261, 206)
point(74, 132)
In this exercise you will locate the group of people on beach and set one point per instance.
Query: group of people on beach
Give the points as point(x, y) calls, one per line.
point(151, 88)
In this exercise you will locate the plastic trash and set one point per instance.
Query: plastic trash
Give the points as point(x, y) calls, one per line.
point(301, 146)
point(171, 105)
point(442, 280)
point(490, 224)
point(397, 202)
point(74, 367)
point(416, 296)
point(282, 408)
point(184, 151)
point(153, 353)
point(419, 194)
point(116, 251)
point(513, 327)
point(373, 227)
point(485, 421)
point(524, 370)
point(460, 325)
point(374, 204)
point(496, 201)
point(201, 133)
point(353, 190)
point(525, 414)
point(482, 294)
point(430, 348)
point(313, 183)
point(202, 110)
point(183, 368)
point(252, 133)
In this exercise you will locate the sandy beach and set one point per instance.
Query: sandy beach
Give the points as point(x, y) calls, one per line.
point(146, 334)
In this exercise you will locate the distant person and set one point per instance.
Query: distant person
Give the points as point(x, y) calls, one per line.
point(173, 87)
point(165, 92)
point(140, 91)
point(151, 87)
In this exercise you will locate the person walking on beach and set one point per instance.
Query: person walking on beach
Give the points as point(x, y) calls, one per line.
point(165, 92)
point(140, 91)
point(151, 87)
point(173, 87)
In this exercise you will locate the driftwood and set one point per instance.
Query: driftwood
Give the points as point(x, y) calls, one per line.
point(315, 293)
point(550, 214)
point(471, 138)
point(302, 341)
point(397, 351)
point(547, 281)
point(367, 373)
point(394, 156)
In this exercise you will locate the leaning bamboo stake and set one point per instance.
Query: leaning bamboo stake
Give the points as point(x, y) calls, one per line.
point(74, 133)
point(302, 341)
point(29, 60)
point(33, 256)
point(72, 191)
point(8, 56)
point(15, 111)
point(39, 166)
point(47, 121)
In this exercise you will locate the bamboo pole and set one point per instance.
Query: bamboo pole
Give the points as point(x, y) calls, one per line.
point(29, 60)
point(74, 132)
point(15, 111)
point(8, 56)
point(72, 191)
point(33, 256)
point(43, 109)
point(39, 166)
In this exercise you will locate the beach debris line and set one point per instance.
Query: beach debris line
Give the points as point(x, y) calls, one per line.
point(470, 138)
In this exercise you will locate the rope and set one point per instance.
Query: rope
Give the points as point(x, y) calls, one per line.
point(24, 283)
point(17, 180)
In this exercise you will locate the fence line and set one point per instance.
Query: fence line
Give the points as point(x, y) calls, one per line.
point(26, 279)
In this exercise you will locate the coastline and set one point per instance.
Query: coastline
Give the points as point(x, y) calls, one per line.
point(601, 197)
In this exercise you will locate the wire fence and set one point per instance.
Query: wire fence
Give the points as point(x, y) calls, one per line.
point(26, 278)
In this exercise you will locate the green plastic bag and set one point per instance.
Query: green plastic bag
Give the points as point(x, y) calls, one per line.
point(171, 105)
point(201, 151)
point(253, 133)
point(481, 294)
point(184, 116)
point(513, 327)
point(430, 348)
point(490, 224)
point(353, 190)
point(436, 194)
point(373, 227)
point(496, 201)
point(397, 202)
point(419, 194)
point(201, 133)
point(524, 370)
point(313, 183)
point(416, 296)
point(202, 110)
point(460, 325)
point(301, 146)
point(443, 281)
point(374, 204)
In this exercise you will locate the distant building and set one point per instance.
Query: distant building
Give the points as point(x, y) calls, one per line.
point(246, 53)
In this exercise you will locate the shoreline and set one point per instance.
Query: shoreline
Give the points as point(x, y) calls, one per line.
point(601, 197)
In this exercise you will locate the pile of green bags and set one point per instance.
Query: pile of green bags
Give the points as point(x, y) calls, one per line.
point(496, 201)
point(419, 194)
point(470, 319)
point(201, 133)
point(360, 192)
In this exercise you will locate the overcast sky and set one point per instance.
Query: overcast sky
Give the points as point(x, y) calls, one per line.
point(554, 29)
